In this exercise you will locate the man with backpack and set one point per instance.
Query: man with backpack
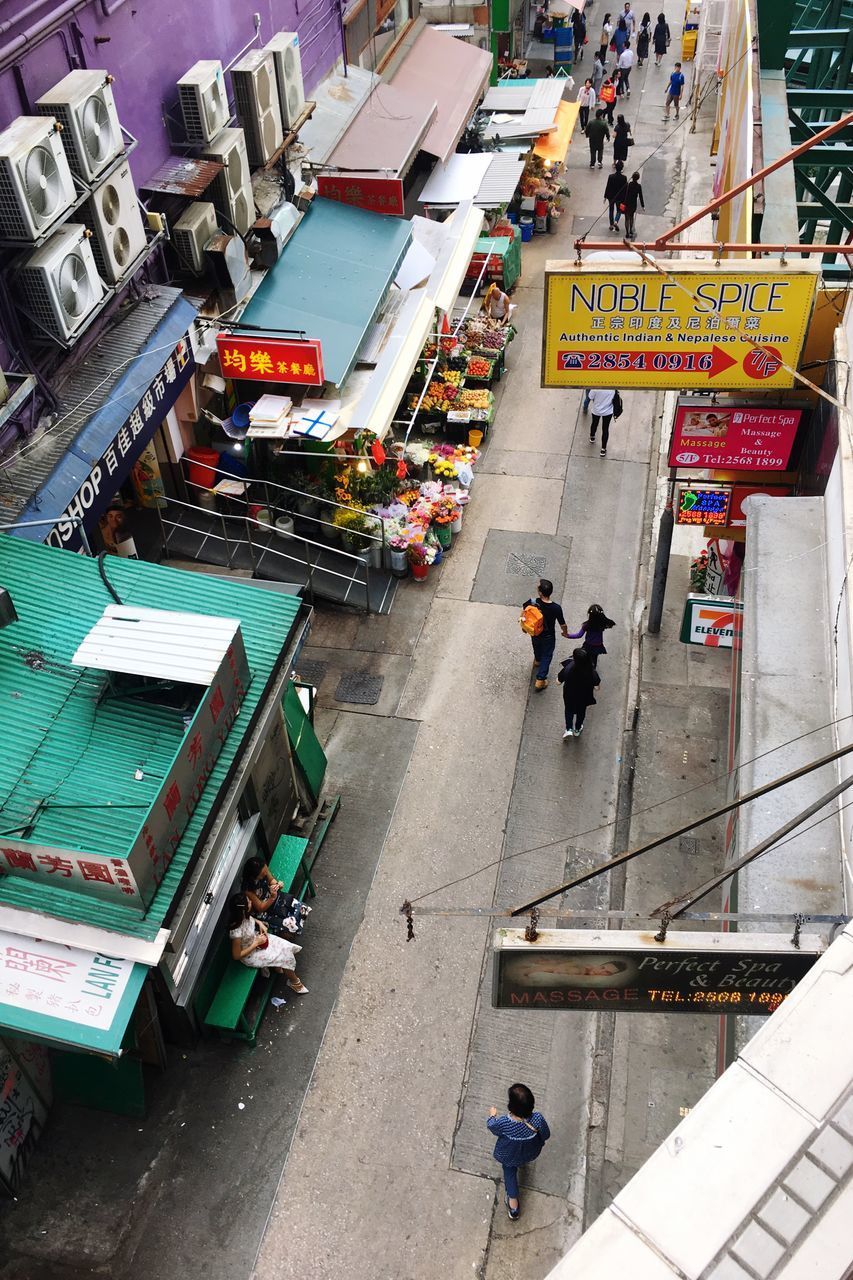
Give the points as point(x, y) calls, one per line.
point(539, 618)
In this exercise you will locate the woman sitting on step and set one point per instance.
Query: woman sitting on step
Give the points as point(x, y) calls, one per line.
point(270, 902)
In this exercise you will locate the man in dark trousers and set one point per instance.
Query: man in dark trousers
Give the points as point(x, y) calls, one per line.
point(545, 643)
point(596, 132)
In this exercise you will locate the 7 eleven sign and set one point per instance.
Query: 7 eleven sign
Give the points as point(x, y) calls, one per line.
point(712, 621)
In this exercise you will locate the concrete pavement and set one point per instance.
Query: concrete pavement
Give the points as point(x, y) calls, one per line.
point(390, 1173)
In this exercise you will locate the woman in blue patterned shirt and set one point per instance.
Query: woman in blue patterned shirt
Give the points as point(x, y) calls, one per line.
point(521, 1135)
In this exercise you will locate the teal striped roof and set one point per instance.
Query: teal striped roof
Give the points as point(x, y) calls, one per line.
point(68, 760)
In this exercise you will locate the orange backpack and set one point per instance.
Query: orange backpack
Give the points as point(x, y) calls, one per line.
point(532, 620)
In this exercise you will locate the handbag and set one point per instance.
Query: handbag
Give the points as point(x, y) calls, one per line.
point(617, 399)
point(630, 141)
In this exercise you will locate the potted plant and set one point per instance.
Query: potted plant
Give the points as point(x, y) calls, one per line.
point(421, 557)
point(355, 527)
point(398, 547)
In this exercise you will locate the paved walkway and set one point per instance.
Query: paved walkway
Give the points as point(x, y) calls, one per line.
point(390, 1172)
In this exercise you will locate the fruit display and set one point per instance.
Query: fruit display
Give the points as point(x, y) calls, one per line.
point(478, 367)
point(470, 399)
point(453, 377)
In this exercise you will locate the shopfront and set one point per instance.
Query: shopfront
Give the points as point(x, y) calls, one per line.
point(108, 480)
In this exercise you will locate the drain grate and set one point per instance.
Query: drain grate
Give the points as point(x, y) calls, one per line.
point(310, 672)
point(688, 844)
point(360, 687)
point(525, 566)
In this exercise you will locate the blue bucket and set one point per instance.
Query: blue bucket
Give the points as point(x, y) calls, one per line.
point(240, 417)
point(526, 228)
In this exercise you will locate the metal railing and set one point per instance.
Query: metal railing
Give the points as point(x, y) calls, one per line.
point(276, 509)
point(258, 547)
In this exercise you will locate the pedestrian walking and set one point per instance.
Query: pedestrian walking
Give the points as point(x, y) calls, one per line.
point(620, 36)
point(674, 91)
point(605, 38)
point(622, 140)
point(578, 33)
point(587, 100)
point(539, 619)
point(607, 96)
point(579, 679)
point(592, 630)
point(644, 35)
point(625, 63)
point(597, 71)
point(660, 38)
point(596, 132)
point(614, 194)
point(602, 403)
point(628, 15)
point(633, 197)
point(521, 1135)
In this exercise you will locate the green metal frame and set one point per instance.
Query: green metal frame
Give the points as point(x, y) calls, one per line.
point(818, 67)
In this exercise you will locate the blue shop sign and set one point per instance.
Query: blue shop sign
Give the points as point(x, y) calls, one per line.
point(96, 491)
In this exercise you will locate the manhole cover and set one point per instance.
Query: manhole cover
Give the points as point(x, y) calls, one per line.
point(309, 672)
point(525, 566)
point(688, 844)
point(359, 686)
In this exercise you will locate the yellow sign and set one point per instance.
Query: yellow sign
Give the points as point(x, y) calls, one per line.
point(703, 325)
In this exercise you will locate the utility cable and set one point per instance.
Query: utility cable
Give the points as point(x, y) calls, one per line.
point(635, 813)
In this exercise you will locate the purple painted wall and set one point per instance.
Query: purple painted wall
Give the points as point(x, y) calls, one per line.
point(150, 44)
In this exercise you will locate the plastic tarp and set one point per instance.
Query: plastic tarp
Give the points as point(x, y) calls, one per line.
point(555, 146)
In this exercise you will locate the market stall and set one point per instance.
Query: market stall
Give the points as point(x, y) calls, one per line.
point(487, 180)
point(497, 259)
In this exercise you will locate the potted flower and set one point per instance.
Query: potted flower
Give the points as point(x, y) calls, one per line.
point(398, 547)
point(355, 527)
point(421, 556)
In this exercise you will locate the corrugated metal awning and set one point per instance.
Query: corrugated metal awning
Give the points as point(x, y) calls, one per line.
point(488, 180)
point(94, 402)
point(160, 644)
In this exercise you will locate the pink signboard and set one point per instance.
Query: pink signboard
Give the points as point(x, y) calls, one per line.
point(736, 437)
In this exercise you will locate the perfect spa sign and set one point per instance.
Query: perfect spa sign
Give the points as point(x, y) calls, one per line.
point(627, 972)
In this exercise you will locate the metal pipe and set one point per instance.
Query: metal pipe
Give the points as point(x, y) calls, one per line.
point(667, 522)
point(680, 831)
point(41, 28)
point(677, 905)
point(652, 246)
point(813, 141)
point(76, 521)
point(22, 16)
point(109, 9)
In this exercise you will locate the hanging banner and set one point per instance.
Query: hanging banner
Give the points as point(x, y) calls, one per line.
point(737, 437)
point(271, 359)
point(713, 326)
point(626, 972)
point(364, 191)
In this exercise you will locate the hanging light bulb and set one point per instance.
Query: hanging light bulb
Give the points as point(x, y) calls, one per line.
point(361, 466)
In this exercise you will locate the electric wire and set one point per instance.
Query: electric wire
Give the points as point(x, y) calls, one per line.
point(635, 813)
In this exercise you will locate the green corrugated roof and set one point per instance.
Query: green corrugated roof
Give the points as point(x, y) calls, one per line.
point(59, 742)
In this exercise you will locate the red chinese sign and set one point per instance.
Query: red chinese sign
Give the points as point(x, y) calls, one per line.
point(271, 359)
point(377, 195)
point(740, 492)
point(733, 436)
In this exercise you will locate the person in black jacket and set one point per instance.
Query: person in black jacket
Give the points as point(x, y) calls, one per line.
point(633, 197)
point(660, 38)
point(621, 140)
point(614, 194)
point(579, 679)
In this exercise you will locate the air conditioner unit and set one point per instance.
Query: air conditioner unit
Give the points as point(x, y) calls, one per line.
point(195, 227)
point(113, 216)
point(257, 104)
point(284, 48)
point(232, 188)
point(36, 186)
point(58, 285)
point(4, 388)
point(83, 104)
point(204, 103)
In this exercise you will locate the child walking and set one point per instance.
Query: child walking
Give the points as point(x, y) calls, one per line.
point(521, 1135)
point(592, 631)
point(579, 679)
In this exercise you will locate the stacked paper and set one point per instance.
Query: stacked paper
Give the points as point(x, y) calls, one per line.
point(269, 417)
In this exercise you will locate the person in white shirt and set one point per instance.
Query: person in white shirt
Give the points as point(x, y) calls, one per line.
point(625, 63)
point(587, 99)
point(601, 407)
